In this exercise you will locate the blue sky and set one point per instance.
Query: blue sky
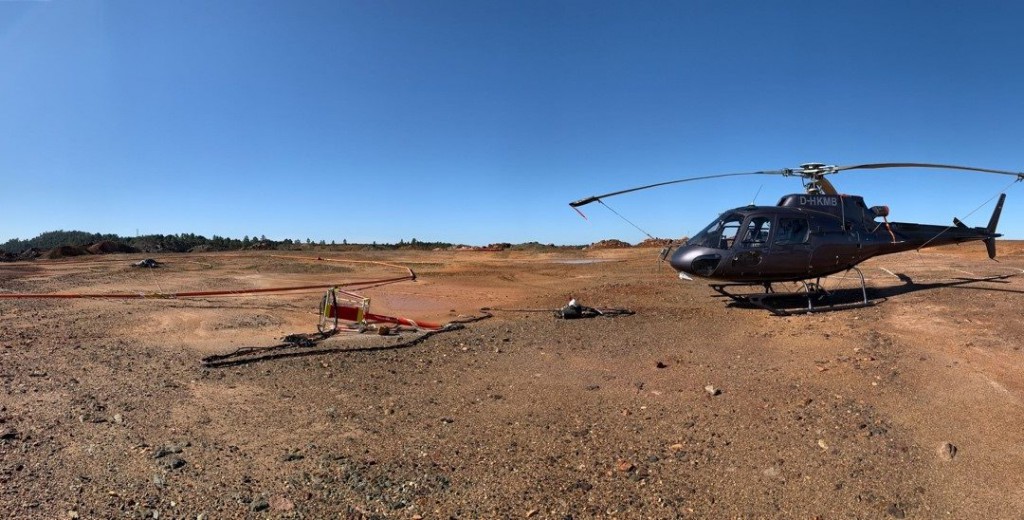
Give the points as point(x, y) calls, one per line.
point(478, 121)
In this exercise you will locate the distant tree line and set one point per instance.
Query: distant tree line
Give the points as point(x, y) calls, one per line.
point(185, 242)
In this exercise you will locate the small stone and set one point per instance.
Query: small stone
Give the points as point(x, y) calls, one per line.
point(118, 418)
point(291, 457)
point(947, 451)
point(624, 466)
point(896, 511)
point(676, 447)
point(8, 434)
point(712, 390)
point(172, 463)
point(660, 365)
point(73, 515)
point(260, 505)
point(282, 504)
point(164, 451)
point(822, 444)
point(447, 420)
point(532, 512)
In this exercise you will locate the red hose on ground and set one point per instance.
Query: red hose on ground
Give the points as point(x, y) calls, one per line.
point(197, 294)
point(398, 320)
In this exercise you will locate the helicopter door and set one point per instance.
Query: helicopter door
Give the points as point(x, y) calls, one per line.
point(791, 248)
point(753, 243)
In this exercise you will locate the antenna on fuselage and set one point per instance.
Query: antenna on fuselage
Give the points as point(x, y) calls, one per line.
point(754, 200)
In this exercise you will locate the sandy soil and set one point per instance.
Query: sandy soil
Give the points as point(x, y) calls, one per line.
point(106, 411)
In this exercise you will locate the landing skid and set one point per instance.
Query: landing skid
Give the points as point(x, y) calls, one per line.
point(817, 298)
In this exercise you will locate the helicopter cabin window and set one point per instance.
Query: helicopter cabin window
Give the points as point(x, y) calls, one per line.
point(757, 231)
point(792, 231)
point(720, 234)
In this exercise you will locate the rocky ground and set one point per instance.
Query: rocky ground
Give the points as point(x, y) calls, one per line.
point(690, 408)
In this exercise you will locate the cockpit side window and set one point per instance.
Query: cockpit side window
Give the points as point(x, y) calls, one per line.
point(720, 234)
point(792, 231)
point(730, 228)
point(757, 232)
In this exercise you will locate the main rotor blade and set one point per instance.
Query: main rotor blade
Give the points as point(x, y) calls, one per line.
point(876, 166)
point(596, 198)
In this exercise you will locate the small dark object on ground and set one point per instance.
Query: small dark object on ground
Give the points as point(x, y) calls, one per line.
point(148, 263)
point(574, 311)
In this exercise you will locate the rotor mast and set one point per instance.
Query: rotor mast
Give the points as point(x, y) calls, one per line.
point(816, 183)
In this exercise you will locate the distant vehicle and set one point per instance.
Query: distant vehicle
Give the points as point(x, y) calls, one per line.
point(807, 236)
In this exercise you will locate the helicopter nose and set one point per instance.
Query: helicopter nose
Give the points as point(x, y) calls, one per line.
point(679, 260)
point(697, 261)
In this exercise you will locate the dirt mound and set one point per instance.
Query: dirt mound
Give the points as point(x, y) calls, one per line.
point(610, 244)
point(109, 246)
point(30, 254)
point(66, 251)
point(656, 242)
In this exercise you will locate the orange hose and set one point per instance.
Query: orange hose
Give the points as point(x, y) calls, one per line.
point(232, 292)
point(197, 294)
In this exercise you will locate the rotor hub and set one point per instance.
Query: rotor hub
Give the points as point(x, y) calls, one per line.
point(815, 175)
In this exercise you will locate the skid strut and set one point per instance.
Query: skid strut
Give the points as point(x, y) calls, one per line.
point(817, 297)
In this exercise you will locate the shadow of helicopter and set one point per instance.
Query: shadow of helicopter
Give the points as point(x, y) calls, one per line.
point(845, 298)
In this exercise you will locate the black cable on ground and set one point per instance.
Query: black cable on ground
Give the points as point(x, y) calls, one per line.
point(301, 345)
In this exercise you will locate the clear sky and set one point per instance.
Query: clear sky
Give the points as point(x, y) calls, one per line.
point(477, 121)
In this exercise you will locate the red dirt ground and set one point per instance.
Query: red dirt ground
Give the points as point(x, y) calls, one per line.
point(107, 412)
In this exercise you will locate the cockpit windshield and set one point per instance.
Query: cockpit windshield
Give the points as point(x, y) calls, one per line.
point(720, 234)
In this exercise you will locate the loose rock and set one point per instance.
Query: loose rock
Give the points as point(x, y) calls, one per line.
point(896, 511)
point(171, 463)
point(947, 451)
point(280, 503)
point(290, 457)
point(712, 390)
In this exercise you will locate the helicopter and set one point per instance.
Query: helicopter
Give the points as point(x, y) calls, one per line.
point(806, 236)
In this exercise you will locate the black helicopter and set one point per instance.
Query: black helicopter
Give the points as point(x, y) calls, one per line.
point(807, 236)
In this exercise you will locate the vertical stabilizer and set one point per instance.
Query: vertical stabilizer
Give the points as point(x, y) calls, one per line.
point(990, 242)
point(992, 222)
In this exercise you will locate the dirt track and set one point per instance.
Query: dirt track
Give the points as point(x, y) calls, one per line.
point(106, 411)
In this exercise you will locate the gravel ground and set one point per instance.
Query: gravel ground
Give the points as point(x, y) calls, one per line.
point(691, 408)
